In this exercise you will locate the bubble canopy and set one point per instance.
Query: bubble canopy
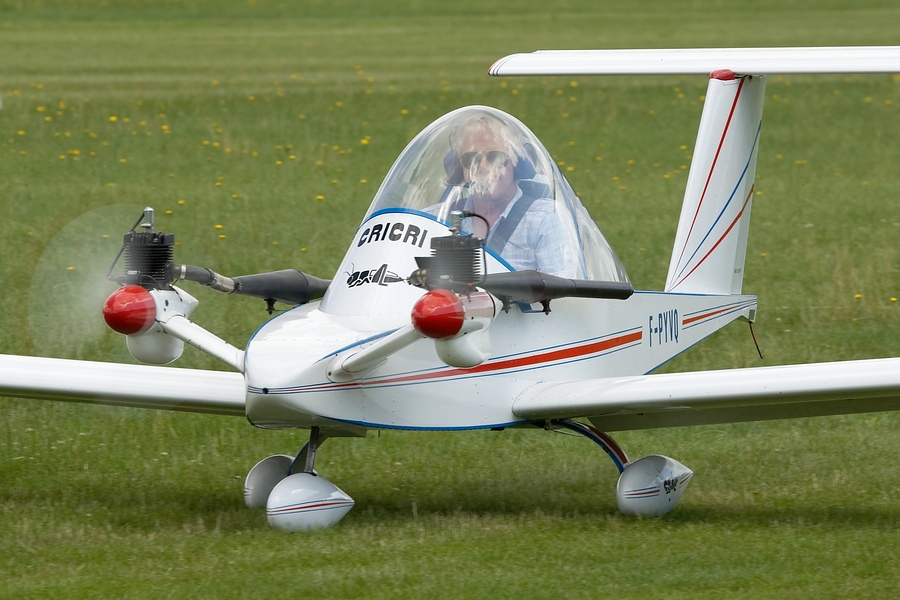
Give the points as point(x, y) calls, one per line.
point(487, 163)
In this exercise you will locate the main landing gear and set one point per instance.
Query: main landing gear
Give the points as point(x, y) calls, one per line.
point(649, 486)
point(296, 500)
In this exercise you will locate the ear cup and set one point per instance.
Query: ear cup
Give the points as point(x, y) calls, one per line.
point(524, 169)
point(525, 165)
point(453, 168)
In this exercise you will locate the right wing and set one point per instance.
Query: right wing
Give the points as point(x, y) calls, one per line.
point(141, 386)
point(702, 61)
point(725, 396)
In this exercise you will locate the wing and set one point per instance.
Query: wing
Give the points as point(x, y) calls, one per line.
point(707, 397)
point(141, 386)
point(702, 61)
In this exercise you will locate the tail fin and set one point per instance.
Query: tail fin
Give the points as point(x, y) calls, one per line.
point(711, 240)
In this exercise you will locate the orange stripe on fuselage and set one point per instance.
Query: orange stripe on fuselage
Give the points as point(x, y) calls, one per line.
point(522, 361)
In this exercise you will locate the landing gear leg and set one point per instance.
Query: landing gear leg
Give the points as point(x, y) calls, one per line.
point(268, 472)
point(609, 445)
point(307, 455)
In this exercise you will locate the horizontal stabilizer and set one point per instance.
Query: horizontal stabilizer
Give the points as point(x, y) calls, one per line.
point(140, 386)
point(707, 397)
point(702, 61)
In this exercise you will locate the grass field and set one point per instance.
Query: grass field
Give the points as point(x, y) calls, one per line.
point(259, 131)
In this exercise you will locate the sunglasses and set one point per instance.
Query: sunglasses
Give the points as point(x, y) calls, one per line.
point(495, 158)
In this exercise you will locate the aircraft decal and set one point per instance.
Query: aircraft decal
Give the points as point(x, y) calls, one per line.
point(379, 276)
point(526, 361)
point(681, 274)
point(712, 167)
point(506, 365)
point(669, 486)
point(406, 233)
point(310, 506)
point(664, 327)
point(490, 425)
point(708, 314)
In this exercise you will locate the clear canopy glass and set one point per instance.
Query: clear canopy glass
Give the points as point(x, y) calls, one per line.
point(458, 161)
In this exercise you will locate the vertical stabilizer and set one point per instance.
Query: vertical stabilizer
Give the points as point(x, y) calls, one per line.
point(711, 241)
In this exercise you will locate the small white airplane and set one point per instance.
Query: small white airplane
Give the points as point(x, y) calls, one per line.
point(445, 315)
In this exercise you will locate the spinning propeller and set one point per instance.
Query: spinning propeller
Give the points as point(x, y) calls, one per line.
point(153, 314)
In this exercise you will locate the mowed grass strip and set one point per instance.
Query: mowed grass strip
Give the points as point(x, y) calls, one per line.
point(261, 133)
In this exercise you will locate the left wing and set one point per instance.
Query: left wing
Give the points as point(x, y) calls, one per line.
point(726, 396)
point(141, 386)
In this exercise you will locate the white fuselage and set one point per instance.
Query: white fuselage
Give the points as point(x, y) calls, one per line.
point(288, 359)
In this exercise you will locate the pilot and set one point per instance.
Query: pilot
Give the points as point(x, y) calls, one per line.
point(523, 229)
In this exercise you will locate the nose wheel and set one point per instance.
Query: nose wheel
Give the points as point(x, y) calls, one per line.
point(296, 500)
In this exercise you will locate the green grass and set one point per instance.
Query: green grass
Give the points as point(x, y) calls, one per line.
point(243, 114)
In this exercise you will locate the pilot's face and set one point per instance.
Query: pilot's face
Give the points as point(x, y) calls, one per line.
point(488, 168)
